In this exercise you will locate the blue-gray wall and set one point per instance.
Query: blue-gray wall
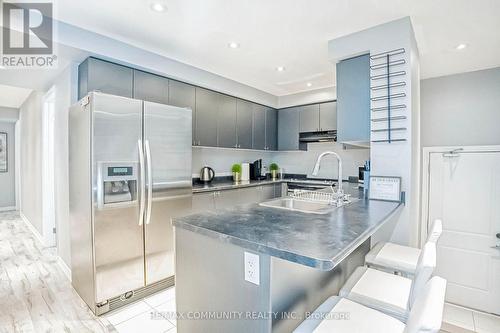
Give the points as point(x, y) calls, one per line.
point(461, 109)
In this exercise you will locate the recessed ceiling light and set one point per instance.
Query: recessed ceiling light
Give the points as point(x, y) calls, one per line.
point(461, 46)
point(2, 67)
point(233, 45)
point(280, 68)
point(309, 84)
point(158, 7)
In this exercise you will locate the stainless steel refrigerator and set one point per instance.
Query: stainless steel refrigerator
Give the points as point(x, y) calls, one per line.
point(129, 175)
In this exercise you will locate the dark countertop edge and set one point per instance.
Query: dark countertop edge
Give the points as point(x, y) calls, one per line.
point(229, 186)
point(322, 264)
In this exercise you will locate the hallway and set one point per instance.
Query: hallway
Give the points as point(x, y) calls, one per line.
point(35, 295)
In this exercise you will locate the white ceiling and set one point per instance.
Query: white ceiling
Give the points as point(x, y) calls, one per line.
point(293, 34)
point(13, 97)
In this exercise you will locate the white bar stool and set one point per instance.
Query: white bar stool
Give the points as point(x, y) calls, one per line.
point(400, 259)
point(392, 294)
point(340, 315)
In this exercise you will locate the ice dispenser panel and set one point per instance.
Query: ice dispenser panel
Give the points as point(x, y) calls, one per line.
point(117, 183)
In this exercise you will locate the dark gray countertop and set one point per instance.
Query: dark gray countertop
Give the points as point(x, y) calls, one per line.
point(229, 184)
point(319, 241)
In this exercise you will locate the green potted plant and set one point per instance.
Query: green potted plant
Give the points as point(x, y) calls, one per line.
point(236, 170)
point(273, 167)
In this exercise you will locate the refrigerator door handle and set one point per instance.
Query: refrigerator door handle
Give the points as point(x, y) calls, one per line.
point(142, 187)
point(150, 182)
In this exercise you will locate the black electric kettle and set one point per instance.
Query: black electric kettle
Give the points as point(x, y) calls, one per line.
point(207, 174)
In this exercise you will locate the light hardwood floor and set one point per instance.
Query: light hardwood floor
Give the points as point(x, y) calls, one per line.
point(35, 296)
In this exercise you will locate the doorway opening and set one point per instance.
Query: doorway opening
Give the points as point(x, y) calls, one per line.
point(48, 167)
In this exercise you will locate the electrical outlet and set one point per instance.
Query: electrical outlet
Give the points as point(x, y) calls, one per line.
point(252, 271)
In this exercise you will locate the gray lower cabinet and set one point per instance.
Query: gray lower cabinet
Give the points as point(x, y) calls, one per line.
point(99, 75)
point(288, 129)
point(328, 116)
point(353, 99)
point(309, 118)
point(226, 122)
point(207, 105)
point(150, 87)
point(203, 202)
point(183, 95)
point(271, 129)
point(209, 201)
point(259, 127)
point(244, 121)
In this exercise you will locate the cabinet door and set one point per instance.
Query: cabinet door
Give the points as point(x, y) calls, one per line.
point(106, 77)
point(271, 129)
point(150, 87)
point(226, 122)
point(288, 129)
point(249, 195)
point(207, 105)
point(244, 123)
point(353, 99)
point(309, 118)
point(259, 127)
point(267, 192)
point(278, 190)
point(226, 199)
point(183, 95)
point(203, 202)
point(328, 116)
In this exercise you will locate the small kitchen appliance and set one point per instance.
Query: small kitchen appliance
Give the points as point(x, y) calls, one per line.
point(256, 170)
point(207, 174)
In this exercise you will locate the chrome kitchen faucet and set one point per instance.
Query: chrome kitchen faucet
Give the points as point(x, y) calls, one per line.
point(315, 171)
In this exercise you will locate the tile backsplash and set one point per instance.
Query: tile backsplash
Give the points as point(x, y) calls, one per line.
point(300, 162)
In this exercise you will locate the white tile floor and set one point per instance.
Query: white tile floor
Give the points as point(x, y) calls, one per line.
point(154, 314)
point(457, 319)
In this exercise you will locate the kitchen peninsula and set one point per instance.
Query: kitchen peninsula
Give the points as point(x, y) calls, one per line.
point(268, 265)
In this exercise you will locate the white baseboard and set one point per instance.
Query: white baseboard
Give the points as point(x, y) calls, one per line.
point(6, 209)
point(30, 226)
point(66, 270)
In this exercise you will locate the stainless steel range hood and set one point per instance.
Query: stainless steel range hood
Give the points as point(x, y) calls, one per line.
point(325, 136)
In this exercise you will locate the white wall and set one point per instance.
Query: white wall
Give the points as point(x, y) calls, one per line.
point(65, 90)
point(30, 120)
point(308, 97)
point(461, 109)
point(8, 179)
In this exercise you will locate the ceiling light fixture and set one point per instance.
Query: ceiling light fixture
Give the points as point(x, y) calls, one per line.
point(2, 67)
point(461, 46)
point(233, 45)
point(309, 84)
point(158, 7)
point(280, 68)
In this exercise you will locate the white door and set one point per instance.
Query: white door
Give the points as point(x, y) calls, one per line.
point(464, 191)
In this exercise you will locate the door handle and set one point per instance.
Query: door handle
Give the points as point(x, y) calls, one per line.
point(498, 235)
point(496, 247)
point(142, 186)
point(150, 182)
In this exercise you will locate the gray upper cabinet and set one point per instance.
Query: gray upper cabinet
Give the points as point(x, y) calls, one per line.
point(288, 129)
point(207, 105)
point(271, 129)
point(259, 127)
point(328, 116)
point(353, 99)
point(106, 77)
point(244, 119)
point(226, 122)
point(183, 95)
point(150, 87)
point(309, 118)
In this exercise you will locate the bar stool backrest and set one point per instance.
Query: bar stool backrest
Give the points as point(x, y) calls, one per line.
point(425, 268)
point(436, 231)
